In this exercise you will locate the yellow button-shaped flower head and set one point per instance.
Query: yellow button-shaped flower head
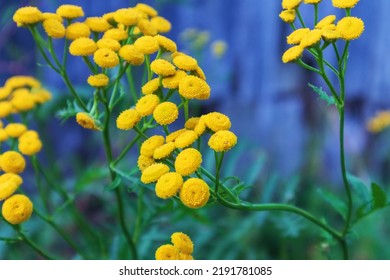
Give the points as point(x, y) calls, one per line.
point(166, 43)
point(17, 209)
point(151, 86)
point(344, 4)
point(29, 146)
point(288, 16)
point(164, 150)
point(146, 27)
point(166, 113)
point(3, 135)
point(222, 141)
point(188, 161)
point(82, 47)
point(27, 15)
point(162, 67)
point(167, 252)
point(116, 34)
point(54, 28)
point(106, 58)
point(194, 193)
point(147, 44)
point(154, 172)
point(8, 188)
point(169, 185)
point(185, 62)
point(146, 104)
point(311, 38)
point(12, 162)
point(86, 121)
point(131, 55)
point(312, 1)
point(126, 16)
point(325, 21)
point(77, 30)
point(192, 87)
point(217, 121)
point(144, 162)
point(5, 108)
point(97, 24)
point(291, 4)
point(296, 36)
point(127, 119)
point(182, 242)
point(151, 144)
point(161, 24)
point(70, 11)
point(98, 80)
point(108, 43)
point(185, 257)
point(172, 82)
point(173, 135)
point(15, 130)
point(150, 11)
point(185, 139)
point(191, 122)
point(350, 28)
point(292, 54)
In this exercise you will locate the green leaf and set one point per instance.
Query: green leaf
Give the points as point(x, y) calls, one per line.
point(323, 95)
point(360, 190)
point(113, 185)
point(379, 197)
point(336, 202)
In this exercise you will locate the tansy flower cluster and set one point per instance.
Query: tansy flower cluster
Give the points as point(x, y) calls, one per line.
point(180, 249)
point(379, 122)
point(325, 31)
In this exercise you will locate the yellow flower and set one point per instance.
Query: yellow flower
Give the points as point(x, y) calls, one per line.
point(200, 73)
point(194, 193)
point(127, 119)
point(166, 113)
point(330, 35)
point(22, 100)
point(98, 80)
point(144, 162)
point(108, 43)
point(311, 38)
point(166, 43)
point(12, 162)
point(106, 58)
point(172, 82)
point(344, 4)
point(147, 44)
point(29, 146)
point(151, 86)
point(379, 122)
point(154, 172)
point(116, 34)
point(350, 28)
point(82, 47)
point(10, 177)
point(70, 11)
point(182, 242)
point(188, 161)
point(185, 62)
point(164, 150)
point(191, 123)
point(217, 121)
point(150, 11)
point(291, 4)
point(27, 15)
point(77, 30)
point(17, 209)
point(54, 28)
point(218, 48)
point(186, 139)
point(5, 109)
point(29, 134)
point(131, 55)
point(3, 135)
point(14, 130)
point(325, 21)
point(287, 16)
point(200, 127)
point(86, 121)
point(127, 16)
point(41, 96)
point(222, 141)
point(292, 54)
point(161, 24)
point(168, 185)
point(192, 87)
point(167, 252)
point(7, 189)
point(46, 16)
point(97, 24)
point(146, 27)
point(4, 92)
point(22, 81)
point(185, 257)
point(162, 67)
point(296, 36)
point(173, 135)
point(151, 144)
point(312, 1)
point(146, 104)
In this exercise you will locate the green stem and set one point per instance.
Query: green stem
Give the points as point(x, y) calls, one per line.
point(42, 193)
point(65, 54)
point(315, 14)
point(30, 243)
point(79, 101)
point(300, 17)
point(89, 64)
point(125, 150)
point(130, 81)
point(308, 67)
point(147, 64)
point(138, 222)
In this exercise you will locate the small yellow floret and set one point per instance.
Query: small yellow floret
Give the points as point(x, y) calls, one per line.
point(194, 193)
point(17, 209)
point(127, 119)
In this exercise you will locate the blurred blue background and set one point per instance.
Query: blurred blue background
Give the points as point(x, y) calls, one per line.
point(273, 111)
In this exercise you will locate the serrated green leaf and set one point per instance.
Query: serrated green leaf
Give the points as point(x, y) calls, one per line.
point(114, 184)
point(337, 203)
point(379, 197)
point(360, 190)
point(323, 95)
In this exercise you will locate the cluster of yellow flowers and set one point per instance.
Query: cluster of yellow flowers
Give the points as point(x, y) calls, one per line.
point(19, 95)
point(379, 122)
point(180, 249)
point(326, 30)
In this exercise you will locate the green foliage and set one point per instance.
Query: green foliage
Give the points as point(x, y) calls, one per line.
point(323, 95)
